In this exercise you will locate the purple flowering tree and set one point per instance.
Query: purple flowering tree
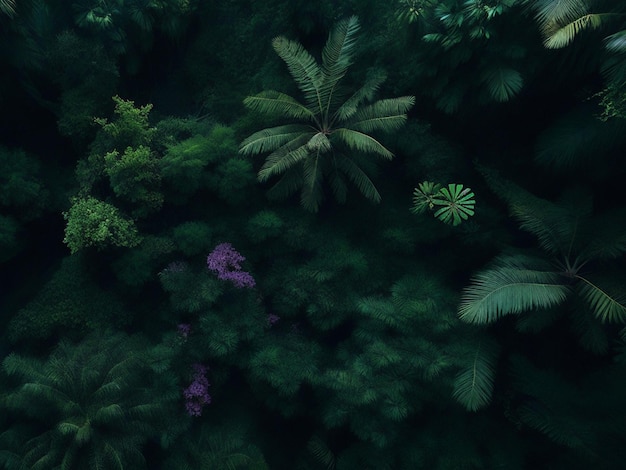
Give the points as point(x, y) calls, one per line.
point(197, 394)
point(225, 261)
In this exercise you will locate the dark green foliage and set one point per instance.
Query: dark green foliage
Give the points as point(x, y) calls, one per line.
point(92, 400)
point(331, 126)
point(140, 265)
point(473, 386)
point(21, 188)
point(565, 230)
point(70, 303)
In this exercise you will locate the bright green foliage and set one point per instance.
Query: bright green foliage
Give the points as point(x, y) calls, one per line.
point(134, 177)
point(70, 303)
point(129, 128)
point(94, 223)
point(452, 204)
point(330, 126)
point(92, 401)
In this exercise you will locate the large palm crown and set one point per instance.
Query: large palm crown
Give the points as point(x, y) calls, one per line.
point(328, 127)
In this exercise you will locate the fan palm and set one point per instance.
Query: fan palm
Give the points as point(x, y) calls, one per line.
point(92, 402)
point(328, 127)
point(572, 238)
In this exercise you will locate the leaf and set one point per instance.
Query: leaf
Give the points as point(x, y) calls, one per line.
point(560, 36)
point(458, 204)
point(512, 286)
point(473, 386)
point(362, 142)
point(303, 68)
point(502, 83)
point(274, 103)
point(616, 42)
point(423, 197)
point(605, 307)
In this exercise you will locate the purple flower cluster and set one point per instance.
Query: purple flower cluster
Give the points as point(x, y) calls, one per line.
point(272, 318)
point(197, 394)
point(224, 260)
point(184, 330)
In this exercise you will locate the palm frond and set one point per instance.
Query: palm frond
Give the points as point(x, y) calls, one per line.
point(311, 194)
point(559, 227)
point(548, 11)
point(366, 93)
point(385, 115)
point(362, 142)
point(337, 57)
point(303, 68)
point(609, 237)
point(473, 386)
point(8, 7)
point(616, 42)
point(358, 177)
point(557, 36)
point(605, 306)
point(321, 452)
point(503, 83)
point(590, 331)
point(272, 138)
point(515, 284)
point(275, 103)
point(285, 157)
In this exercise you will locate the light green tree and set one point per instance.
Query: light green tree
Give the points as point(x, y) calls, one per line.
point(329, 128)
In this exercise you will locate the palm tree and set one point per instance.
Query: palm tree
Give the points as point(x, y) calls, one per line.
point(7, 7)
point(573, 239)
point(91, 399)
point(328, 127)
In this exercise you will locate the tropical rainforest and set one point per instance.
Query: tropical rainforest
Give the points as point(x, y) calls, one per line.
point(330, 234)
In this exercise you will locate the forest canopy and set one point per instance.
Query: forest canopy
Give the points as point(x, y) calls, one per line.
point(312, 235)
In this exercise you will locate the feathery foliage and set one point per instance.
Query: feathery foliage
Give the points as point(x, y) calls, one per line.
point(93, 401)
point(331, 124)
point(473, 385)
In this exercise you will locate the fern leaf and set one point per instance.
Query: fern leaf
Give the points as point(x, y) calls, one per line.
point(605, 307)
point(560, 36)
point(513, 286)
point(473, 386)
